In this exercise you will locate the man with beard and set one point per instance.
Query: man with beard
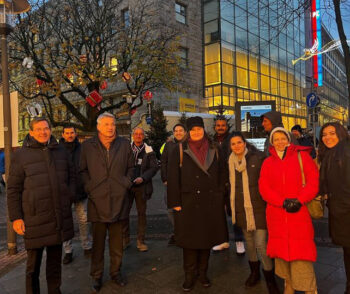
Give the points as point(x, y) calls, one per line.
point(221, 138)
point(70, 142)
point(179, 132)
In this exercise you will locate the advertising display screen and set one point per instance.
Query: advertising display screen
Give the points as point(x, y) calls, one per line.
point(248, 115)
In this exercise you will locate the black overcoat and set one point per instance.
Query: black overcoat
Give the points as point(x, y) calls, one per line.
point(107, 178)
point(40, 191)
point(254, 161)
point(337, 179)
point(75, 150)
point(199, 190)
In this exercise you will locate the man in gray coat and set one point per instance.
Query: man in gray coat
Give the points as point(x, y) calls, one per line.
point(106, 166)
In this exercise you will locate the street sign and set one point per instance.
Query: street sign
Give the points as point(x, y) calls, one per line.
point(148, 120)
point(312, 100)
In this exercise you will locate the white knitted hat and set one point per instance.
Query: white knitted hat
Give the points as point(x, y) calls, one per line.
point(279, 129)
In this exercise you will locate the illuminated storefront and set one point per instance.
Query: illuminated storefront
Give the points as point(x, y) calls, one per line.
point(248, 54)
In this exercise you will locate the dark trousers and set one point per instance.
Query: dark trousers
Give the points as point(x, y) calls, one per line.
point(136, 194)
point(53, 269)
point(196, 261)
point(347, 268)
point(238, 233)
point(99, 233)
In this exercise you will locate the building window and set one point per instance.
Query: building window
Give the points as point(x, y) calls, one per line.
point(183, 54)
point(180, 13)
point(126, 17)
point(113, 64)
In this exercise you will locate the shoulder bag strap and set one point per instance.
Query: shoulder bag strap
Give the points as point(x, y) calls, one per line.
point(301, 168)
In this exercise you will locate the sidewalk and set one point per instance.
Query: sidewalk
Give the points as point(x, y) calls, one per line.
point(160, 271)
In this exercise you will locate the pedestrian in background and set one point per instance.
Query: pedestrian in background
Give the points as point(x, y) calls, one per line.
point(196, 179)
point(290, 229)
point(145, 168)
point(334, 157)
point(106, 167)
point(179, 132)
point(248, 208)
point(70, 142)
point(40, 191)
point(221, 137)
point(297, 132)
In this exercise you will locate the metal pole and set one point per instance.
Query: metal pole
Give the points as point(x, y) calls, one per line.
point(11, 235)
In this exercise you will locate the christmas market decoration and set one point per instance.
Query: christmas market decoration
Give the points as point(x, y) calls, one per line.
point(126, 77)
point(34, 109)
point(147, 95)
point(39, 82)
point(27, 62)
point(133, 111)
point(103, 85)
point(94, 98)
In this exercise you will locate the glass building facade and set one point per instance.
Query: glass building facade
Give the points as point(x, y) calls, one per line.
point(248, 53)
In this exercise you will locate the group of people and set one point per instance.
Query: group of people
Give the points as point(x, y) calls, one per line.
point(264, 193)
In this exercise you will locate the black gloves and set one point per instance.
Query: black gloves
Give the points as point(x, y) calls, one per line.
point(291, 205)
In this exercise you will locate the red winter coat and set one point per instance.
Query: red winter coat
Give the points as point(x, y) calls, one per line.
point(291, 235)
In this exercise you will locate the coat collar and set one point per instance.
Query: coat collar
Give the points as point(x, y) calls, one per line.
point(208, 160)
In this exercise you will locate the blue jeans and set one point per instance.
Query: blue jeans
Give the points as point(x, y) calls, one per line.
point(238, 233)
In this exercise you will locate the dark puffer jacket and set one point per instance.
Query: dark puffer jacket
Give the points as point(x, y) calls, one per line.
point(74, 149)
point(40, 190)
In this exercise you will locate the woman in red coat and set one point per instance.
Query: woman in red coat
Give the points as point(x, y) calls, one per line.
point(290, 229)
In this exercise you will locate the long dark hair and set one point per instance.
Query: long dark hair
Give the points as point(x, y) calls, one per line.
point(249, 146)
point(341, 133)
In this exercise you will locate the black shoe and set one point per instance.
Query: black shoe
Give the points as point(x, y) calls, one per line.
point(87, 252)
point(204, 281)
point(171, 241)
point(188, 285)
point(97, 284)
point(254, 276)
point(119, 280)
point(68, 258)
point(271, 282)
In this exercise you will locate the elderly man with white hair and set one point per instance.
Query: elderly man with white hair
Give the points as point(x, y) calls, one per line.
point(145, 168)
point(106, 166)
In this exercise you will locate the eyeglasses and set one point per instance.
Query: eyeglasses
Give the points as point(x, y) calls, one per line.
point(39, 130)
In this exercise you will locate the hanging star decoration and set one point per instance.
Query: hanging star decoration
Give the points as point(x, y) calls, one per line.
point(308, 53)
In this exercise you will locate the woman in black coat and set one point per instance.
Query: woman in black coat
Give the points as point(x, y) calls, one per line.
point(334, 156)
point(196, 178)
point(248, 208)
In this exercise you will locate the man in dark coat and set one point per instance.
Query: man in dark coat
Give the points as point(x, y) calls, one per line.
point(40, 191)
point(70, 142)
point(297, 132)
point(106, 166)
point(179, 132)
point(271, 120)
point(221, 137)
point(145, 168)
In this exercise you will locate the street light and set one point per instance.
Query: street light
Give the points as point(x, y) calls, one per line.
point(8, 9)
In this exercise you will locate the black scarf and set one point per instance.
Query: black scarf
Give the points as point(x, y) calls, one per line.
point(137, 150)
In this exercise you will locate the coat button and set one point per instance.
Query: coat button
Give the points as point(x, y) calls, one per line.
point(197, 177)
point(198, 192)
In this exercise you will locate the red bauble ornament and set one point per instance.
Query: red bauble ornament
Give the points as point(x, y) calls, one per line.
point(103, 85)
point(39, 82)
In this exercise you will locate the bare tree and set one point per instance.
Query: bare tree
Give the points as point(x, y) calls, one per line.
point(71, 43)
